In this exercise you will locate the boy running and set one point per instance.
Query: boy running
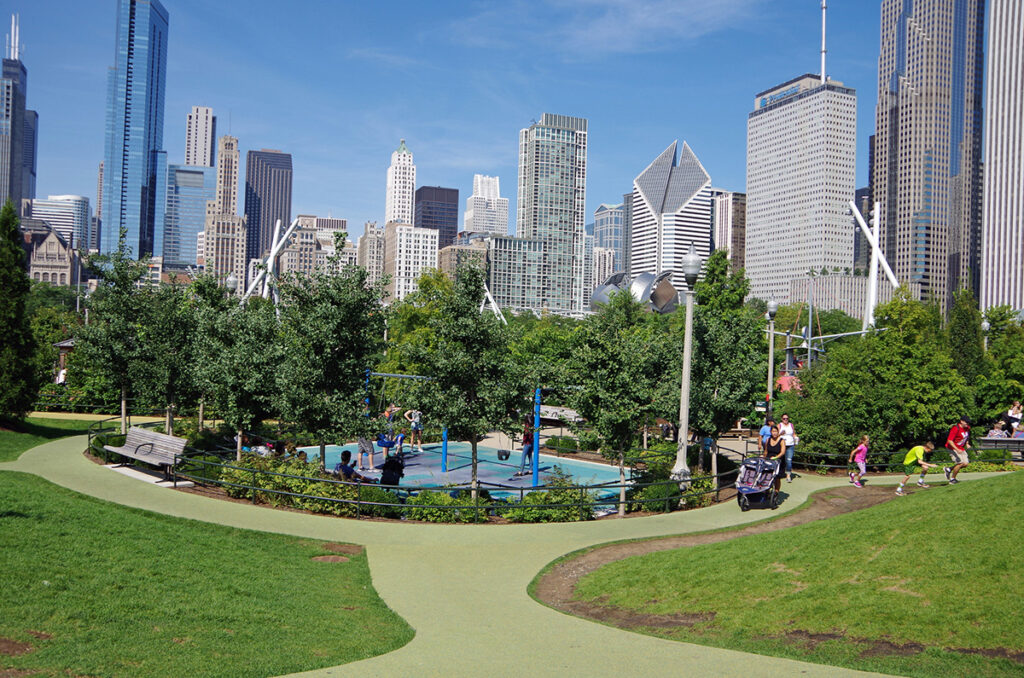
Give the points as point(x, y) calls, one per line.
point(957, 444)
point(859, 456)
point(914, 461)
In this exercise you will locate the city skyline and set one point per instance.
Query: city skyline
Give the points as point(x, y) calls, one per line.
point(342, 146)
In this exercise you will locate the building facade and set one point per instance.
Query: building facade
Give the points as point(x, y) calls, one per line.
point(486, 210)
point(68, 215)
point(401, 186)
point(408, 251)
point(608, 232)
point(604, 264)
point(189, 190)
point(18, 127)
point(134, 162)
point(927, 149)
point(1002, 266)
point(801, 160)
point(730, 215)
point(201, 137)
point(551, 206)
point(514, 275)
point(454, 259)
point(50, 258)
point(370, 251)
point(438, 208)
point(268, 197)
point(671, 210)
point(226, 235)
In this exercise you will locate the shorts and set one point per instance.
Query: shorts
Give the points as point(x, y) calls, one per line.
point(862, 466)
point(911, 469)
point(958, 457)
point(417, 427)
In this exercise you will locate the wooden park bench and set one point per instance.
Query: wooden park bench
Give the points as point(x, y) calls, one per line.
point(157, 449)
point(1011, 445)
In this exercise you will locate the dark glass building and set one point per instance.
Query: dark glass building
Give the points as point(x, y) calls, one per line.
point(134, 163)
point(438, 208)
point(268, 197)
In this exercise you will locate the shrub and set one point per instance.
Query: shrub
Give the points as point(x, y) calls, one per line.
point(112, 439)
point(562, 444)
point(663, 497)
point(700, 493)
point(562, 502)
point(437, 507)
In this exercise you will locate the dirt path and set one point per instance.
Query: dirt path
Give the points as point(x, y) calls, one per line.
point(556, 587)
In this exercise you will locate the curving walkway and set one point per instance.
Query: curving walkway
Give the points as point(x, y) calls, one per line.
point(463, 587)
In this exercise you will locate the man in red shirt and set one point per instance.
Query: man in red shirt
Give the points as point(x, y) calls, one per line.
point(957, 443)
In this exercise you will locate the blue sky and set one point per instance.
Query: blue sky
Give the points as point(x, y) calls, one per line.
point(337, 84)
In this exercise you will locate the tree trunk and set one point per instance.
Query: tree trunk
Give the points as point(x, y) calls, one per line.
point(645, 436)
point(124, 409)
point(473, 482)
point(323, 456)
point(622, 482)
point(202, 411)
point(238, 446)
point(169, 420)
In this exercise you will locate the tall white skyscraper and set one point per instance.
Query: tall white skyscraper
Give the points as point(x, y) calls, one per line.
point(552, 206)
point(801, 153)
point(226, 236)
point(1002, 274)
point(370, 251)
point(486, 210)
point(401, 188)
point(200, 137)
point(407, 252)
point(671, 209)
point(69, 215)
point(608, 233)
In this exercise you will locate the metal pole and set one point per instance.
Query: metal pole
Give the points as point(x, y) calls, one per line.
point(444, 450)
point(769, 405)
point(534, 464)
point(681, 470)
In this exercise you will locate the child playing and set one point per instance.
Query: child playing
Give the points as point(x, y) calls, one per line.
point(914, 461)
point(859, 456)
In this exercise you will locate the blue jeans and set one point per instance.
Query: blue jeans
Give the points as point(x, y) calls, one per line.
point(527, 454)
point(789, 459)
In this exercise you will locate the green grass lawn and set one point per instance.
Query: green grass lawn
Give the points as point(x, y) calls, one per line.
point(103, 590)
point(940, 568)
point(16, 437)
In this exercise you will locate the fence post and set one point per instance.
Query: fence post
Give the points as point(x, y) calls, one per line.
point(253, 488)
point(582, 516)
point(359, 501)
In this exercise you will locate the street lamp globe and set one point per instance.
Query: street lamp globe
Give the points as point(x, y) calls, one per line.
point(231, 283)
point(691, 267)
point(773, 308)
point(985, 326)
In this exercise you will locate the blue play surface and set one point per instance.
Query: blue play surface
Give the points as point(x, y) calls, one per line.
point(423, 469)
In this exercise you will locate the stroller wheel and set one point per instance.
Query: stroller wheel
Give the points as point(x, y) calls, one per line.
point(743, 501)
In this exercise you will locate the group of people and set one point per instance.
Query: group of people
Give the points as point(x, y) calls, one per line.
point(778, 440)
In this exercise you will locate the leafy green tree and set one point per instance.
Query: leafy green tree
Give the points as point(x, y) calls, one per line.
point(475, 386)
point(966, 337)
point(208, 301)
point(18, 376)
point(332, 330)
point(544, 347)
point(110, 342)
point(51, 324)
point(719, 290)
point(239, 355)
point(1000, 319)
point(410, 332)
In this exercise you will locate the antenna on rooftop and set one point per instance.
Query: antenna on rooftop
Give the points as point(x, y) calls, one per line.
point(822, 42)
point(13, 37)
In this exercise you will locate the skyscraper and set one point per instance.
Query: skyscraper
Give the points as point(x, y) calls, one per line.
point(401, 186)
point(486, 210)
point(226, 239)
point(438, 208)
point(66, 214)
point(928, 142)
point(552, 203)
point(608, 235)
point(268, 197)
point(16, 123)
point(134, 162)
point(1002, 268)
point(407, 252)
point(801, 153)
point(200, 137)
point(730, 214)
point(671, 210)
point(370, 251)
point(189, 189)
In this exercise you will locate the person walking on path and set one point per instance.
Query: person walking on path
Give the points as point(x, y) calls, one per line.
point(775, 449)
point(913, 462)
point(859, 456)
point(764, 434)
point(415, 419)
point(790, 438)
point(958, 442)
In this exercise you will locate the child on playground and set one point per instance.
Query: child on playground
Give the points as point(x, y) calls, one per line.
point(859, 456)
point(415, 418)
point(914, 461)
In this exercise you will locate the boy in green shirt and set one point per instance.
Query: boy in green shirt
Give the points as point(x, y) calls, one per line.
point(914, 461)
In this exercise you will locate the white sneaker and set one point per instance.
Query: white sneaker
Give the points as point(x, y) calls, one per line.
point(899, 491)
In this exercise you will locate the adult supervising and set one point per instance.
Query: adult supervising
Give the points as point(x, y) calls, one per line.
point(958, 442)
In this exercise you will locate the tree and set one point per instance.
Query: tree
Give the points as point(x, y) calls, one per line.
point(966, 337)
point(110, 343)
point(18, 377)
point(719, 290)
point(208, 301)
point(332, 331)
point(475, 386)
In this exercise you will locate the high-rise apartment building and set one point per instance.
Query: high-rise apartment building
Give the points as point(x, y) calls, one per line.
point(370, 251)
point(928, 142)
point(801, 161)
point(604, 264)
point(68, 215)
point(486, 210)
point(671, 210)
point(134, 162)
point(97, 219)
point(268, 197)
point(608, 233)
point(401, 186)
point(189, 190)
point(1002, 267)
point(551, 206)
point(408, 251)
point(627, 233)
point(455, 259)
point(18, 127)
point(730, 215)
point(438, 208)
point(514, 275)
point(226, 236)
point(200, 137)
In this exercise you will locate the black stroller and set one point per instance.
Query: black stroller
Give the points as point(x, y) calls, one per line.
point(755, 483)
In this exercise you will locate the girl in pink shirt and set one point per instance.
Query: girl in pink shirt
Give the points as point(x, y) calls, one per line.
point(859, 456)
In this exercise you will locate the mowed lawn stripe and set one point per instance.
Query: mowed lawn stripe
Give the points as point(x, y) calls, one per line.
point(926, 584)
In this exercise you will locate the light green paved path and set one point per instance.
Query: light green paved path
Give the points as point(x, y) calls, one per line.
point(462, 587)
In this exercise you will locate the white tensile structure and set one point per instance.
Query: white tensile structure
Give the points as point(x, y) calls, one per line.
point(671, 209)
point(401, 189)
